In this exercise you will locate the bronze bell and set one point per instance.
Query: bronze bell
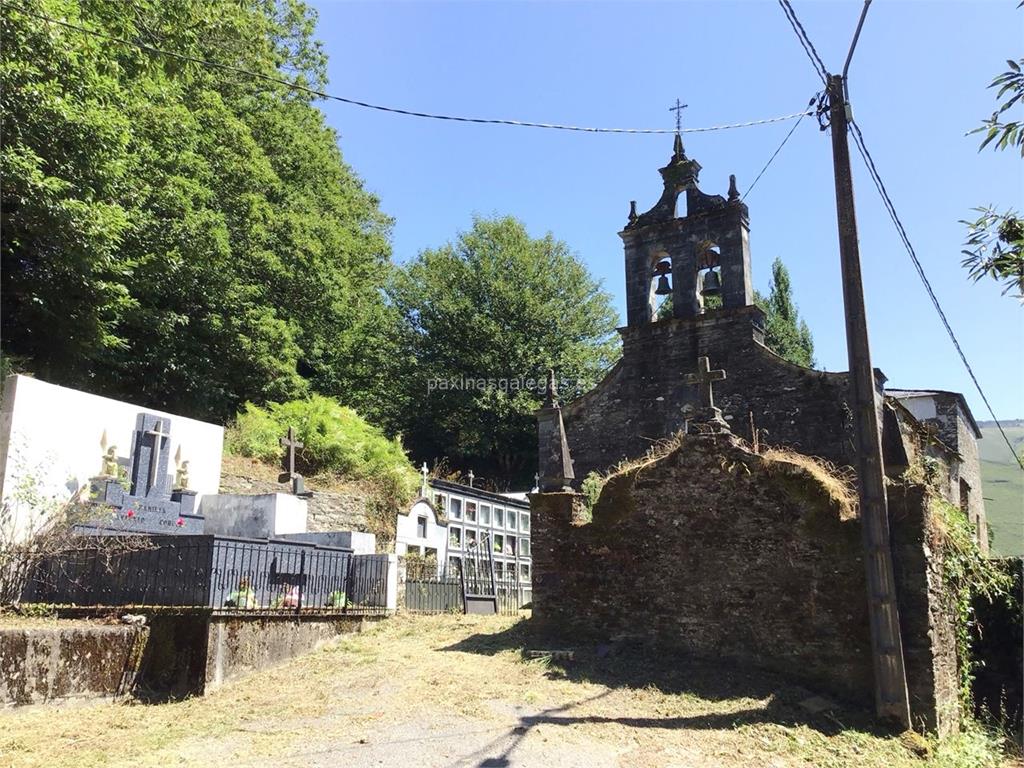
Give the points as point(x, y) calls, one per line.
point(711, 285)
point(662, 269)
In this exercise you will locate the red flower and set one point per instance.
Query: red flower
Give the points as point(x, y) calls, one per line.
point(181, 522)
point(130, 513)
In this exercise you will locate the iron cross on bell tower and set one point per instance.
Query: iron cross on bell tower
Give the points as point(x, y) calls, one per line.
point(678, 109)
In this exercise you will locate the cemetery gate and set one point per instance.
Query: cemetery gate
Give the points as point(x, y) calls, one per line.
point(465, 584)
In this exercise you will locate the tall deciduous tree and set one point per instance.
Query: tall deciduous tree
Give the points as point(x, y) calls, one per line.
point(174, 233)
point(484, 316)
point(786, 333)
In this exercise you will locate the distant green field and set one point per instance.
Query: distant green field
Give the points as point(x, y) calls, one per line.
point(1003, 486)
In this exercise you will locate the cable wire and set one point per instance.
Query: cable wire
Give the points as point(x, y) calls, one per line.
point(858, 139)
point(393, 110)
point(776, 153)
point(805, 41)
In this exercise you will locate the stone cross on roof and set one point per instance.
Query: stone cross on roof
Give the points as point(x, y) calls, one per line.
point(703, 378)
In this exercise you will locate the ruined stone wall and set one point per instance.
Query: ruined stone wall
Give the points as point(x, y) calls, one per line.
point(643, 398)
point(714, 551)
point(928, 631)
point(969, 470)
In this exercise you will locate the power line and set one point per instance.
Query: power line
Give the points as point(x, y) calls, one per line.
point(776, 153)
point(858, 139)
point(805, 41)
point(394, 110)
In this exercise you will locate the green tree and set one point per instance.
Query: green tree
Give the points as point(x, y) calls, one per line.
point(995, 240)
point(491, 312)
point(174, 233)
point(785, 333)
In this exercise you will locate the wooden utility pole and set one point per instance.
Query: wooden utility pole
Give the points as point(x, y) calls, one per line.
point(891, 699)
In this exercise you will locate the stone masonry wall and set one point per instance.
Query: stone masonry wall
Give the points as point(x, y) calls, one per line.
point(643, 398)
point(328, 510)
point(714, 551)
point(928, 631)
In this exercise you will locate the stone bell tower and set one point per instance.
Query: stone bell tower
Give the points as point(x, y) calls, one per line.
point(700, 237)
point(694, 246)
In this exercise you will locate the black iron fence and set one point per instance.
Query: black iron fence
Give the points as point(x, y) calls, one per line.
point(221, 573)
point(437, 594)
point(455, 590)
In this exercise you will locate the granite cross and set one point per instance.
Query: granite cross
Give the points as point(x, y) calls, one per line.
point(154, 456)
point(703, 378)
point(472, 477)
point(678, 109)
point(291, 444)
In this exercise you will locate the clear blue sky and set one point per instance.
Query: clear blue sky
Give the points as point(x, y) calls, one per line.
point(918, 85)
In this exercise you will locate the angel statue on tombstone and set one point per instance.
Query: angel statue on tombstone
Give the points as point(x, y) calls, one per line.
point(109, 466)
point(180, 472)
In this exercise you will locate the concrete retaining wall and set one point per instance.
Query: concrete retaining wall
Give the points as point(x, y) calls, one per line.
point(39, 665)
point(175, 655)
point(238, 646)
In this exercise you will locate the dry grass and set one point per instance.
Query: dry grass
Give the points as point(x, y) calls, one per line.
point(839, 485)
point(454, 690)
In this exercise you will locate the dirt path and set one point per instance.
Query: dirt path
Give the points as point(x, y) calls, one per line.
point(455, 691)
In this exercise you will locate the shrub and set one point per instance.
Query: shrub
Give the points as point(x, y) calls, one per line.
point(336, 440)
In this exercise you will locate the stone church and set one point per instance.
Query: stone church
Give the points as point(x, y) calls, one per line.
point(713, 548)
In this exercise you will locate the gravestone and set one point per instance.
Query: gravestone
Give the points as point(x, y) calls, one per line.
point(149, 505)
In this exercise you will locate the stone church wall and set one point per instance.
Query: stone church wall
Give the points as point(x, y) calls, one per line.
point(642, 400)
point(714, 551)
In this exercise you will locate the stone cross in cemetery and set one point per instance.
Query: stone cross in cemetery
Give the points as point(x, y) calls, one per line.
point(148, 505)
point(709, 418)
point(156, 454)
point(290, 442)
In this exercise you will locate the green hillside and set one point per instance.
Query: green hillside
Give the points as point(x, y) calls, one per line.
point(1003, 486)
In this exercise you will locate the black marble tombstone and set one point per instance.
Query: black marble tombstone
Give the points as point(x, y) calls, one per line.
point(148, 505)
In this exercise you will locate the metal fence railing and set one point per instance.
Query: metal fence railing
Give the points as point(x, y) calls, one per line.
point(438, 594)
point(221, 573)
point(443, 594)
